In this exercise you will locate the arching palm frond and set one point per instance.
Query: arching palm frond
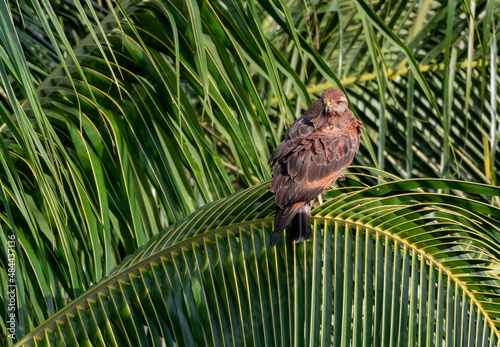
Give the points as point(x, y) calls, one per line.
point(395, 263)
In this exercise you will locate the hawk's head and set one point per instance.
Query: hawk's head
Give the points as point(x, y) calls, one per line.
point(335, 101)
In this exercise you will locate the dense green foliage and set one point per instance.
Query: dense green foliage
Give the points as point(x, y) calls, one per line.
point(119, 120)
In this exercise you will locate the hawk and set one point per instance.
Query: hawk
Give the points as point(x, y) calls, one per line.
point(319, 146)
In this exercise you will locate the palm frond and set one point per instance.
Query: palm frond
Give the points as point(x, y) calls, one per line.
point(387, 264)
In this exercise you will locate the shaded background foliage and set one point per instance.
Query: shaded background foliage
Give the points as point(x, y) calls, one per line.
point(120, 119)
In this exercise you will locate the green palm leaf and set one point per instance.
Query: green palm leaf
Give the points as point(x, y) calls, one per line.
point(386, 265)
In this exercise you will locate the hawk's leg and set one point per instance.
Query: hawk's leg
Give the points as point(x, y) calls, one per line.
point(340, 178)
point(320, 199)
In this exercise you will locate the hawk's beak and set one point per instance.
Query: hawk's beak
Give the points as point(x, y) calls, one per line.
point(327, 108)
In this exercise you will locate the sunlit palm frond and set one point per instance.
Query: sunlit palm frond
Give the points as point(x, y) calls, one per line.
point(388, 264)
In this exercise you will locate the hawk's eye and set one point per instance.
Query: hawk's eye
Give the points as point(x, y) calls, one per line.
point(338, 102)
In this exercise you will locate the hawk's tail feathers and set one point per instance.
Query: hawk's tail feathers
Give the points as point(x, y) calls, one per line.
point(301, 224)
point(283, 217)
point(300, 215)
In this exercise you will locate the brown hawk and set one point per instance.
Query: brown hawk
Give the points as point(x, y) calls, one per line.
point(317, 149)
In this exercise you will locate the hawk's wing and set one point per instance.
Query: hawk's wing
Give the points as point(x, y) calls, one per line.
point(310, 159)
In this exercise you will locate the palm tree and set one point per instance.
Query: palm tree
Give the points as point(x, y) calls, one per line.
point(135, 206)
